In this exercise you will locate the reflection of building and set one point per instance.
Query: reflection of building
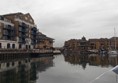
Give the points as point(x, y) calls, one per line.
point(91, 59)
point(113, 60)
point(43, 63)
point(16, 71)
point(44, 42)
point(96, 60)
point(75, 59)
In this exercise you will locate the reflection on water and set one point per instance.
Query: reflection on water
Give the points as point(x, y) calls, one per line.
point(43, 63)
point(66, 68)
point(91, 59)
point(23, 70)
point(17, 71)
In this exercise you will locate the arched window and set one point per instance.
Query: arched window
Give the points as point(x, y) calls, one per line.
point(8, 64)
point(0, 45)
point(8, 45)
point(19, 45)
point(29, 47)
point(26, 46)
point(13, 46)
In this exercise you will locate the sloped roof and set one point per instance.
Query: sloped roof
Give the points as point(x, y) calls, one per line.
point(43, 37)
point(12, 14)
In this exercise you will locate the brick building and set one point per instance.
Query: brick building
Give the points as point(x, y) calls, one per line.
point(19, 31)
point(44, 42)
point(92, 44)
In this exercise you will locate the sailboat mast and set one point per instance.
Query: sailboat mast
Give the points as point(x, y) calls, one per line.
point(115, 38)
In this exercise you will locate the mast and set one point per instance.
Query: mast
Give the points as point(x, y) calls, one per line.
point(115, 38)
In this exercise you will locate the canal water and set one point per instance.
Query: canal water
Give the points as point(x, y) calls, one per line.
point(71, 68)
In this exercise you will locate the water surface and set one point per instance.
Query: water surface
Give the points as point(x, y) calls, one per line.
point(70, 68)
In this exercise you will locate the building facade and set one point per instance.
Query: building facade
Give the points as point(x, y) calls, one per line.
point(44, 42)
point(25, 30)
point(18, 31)
point(72, 44)
point(92, 44)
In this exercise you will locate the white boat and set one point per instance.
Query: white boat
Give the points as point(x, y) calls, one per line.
point(113, 52)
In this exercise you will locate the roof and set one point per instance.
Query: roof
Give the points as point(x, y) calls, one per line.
point(12, 14)
point(44, 37)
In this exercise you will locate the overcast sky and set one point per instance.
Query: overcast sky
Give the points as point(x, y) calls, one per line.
point(67, 19)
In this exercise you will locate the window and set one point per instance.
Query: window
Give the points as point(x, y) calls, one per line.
point(7, 65)
point(12, 63)
point(13, 46)
point(26, 46)
point(0, 45)
point(8, 45)
point(29, 46)
point(20, 46)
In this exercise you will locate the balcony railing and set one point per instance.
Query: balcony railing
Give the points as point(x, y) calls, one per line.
point(5, 37)
point(33, 32)
point(5, 32)
point(21, 40)
point(22, 35)
point(8, 27)
point(23, 29)
point(23, 25)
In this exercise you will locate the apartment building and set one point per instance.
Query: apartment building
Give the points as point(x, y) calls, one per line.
point(77, 44)
point(92, 44)
point(101, 43)
point(25, 30)
point(83, 44)
point(44, 42)
point(72, 44)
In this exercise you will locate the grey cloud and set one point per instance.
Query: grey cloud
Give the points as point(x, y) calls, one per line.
point(65, 19)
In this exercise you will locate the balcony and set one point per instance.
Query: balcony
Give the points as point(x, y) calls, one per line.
point(20, 28)
point(5, 32)
point(23, 25)
point(33, 41)
point(24, 30)
point(5, 37)
point(33, 32)
point(33, 37)
point(8, 27)
point(12, 34)
point(20, 40)
point(34, 29)
point(22, 35)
